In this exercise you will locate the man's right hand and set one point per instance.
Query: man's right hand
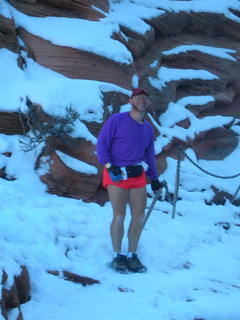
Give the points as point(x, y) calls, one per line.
point(156, 184)
point(115, 173)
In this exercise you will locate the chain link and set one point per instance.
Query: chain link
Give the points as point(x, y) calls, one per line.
point(207, 172)
point(211, 174)
point(173, 200)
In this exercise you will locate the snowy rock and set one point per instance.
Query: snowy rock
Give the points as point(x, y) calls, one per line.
point(10, 123)
point(77, 64)
point(215, 144)
point(138, 44)
point(17, 294)
point(8, 34)
point(196, 22)
point(184, 123)
point(65, 181)
point(85, 281)
point(113, 100)
point(198, 110)
point(185, 54)
point(62, 8)
point(220, 197)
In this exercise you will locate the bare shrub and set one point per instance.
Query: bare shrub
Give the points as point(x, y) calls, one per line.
point(43, 126)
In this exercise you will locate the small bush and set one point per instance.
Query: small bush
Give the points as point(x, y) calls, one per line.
point(41, 126)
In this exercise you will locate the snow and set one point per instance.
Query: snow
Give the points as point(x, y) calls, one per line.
point(81, 130)
point(154, 64)
point(76, 164)
point(90, 36)
point(166, 75)
point(4, 10)
point(131, 15)
point(236, 129)
point(193, 262)
point(196, 127)
point(135, 81)
point(218, 52)
point(213, 6)
point(99, 10)
point(195, 100)
point(50, 89)
point(176, 112)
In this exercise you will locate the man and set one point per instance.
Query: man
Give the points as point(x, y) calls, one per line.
point(126, 149)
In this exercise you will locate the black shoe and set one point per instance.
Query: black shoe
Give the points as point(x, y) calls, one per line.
point(119, 263)
point(135, 265)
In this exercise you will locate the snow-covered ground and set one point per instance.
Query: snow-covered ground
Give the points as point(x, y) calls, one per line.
point(193, 262)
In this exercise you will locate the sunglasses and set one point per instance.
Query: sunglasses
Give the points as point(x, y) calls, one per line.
point(142, 97)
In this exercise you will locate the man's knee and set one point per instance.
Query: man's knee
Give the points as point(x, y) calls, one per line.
point(118, 218)
point(137, 217)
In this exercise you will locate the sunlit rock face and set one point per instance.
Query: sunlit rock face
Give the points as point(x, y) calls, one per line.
point(216, 92)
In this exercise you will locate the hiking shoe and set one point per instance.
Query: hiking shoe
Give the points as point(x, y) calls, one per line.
point(119, 263)
point(135, 265)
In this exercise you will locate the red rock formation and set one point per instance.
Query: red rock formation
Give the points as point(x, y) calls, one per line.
point(76, 64)
point(8, 34)
point(63, 180)
point(11, 123)
point(166, 31)
point(137, 43)
point(82, 9)
point(210, 25)
point(215, 144)
point(19, 292)
point(85, 281)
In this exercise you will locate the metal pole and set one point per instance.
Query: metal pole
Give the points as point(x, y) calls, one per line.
point(177, 178)
point(157, 195)
point(235, 194)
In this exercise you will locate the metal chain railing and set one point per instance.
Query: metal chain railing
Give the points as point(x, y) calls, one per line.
point(173, 200)
point(207, 172)
point(177, 179)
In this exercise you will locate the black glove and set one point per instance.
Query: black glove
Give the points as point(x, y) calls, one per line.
point(156, 184)
point(115, 173)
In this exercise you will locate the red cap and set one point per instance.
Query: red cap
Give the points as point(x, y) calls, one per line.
point(137, 91)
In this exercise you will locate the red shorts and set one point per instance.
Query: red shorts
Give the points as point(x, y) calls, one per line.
point(138, 182)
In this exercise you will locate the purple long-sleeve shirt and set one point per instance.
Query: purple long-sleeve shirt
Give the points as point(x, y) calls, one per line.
point(123, 142)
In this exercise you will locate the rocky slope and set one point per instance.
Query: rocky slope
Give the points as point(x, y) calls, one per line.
point(151, 52)
point(192, 33)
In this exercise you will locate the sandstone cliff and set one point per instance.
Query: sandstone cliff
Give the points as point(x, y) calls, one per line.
point(164, 40)
point(186, 55)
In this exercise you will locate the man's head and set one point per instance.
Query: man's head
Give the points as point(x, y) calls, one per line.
point(140, 100)
point(138, 91)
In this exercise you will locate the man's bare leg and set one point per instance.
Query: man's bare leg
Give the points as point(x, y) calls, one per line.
point(118, 198)
point(137, 201)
